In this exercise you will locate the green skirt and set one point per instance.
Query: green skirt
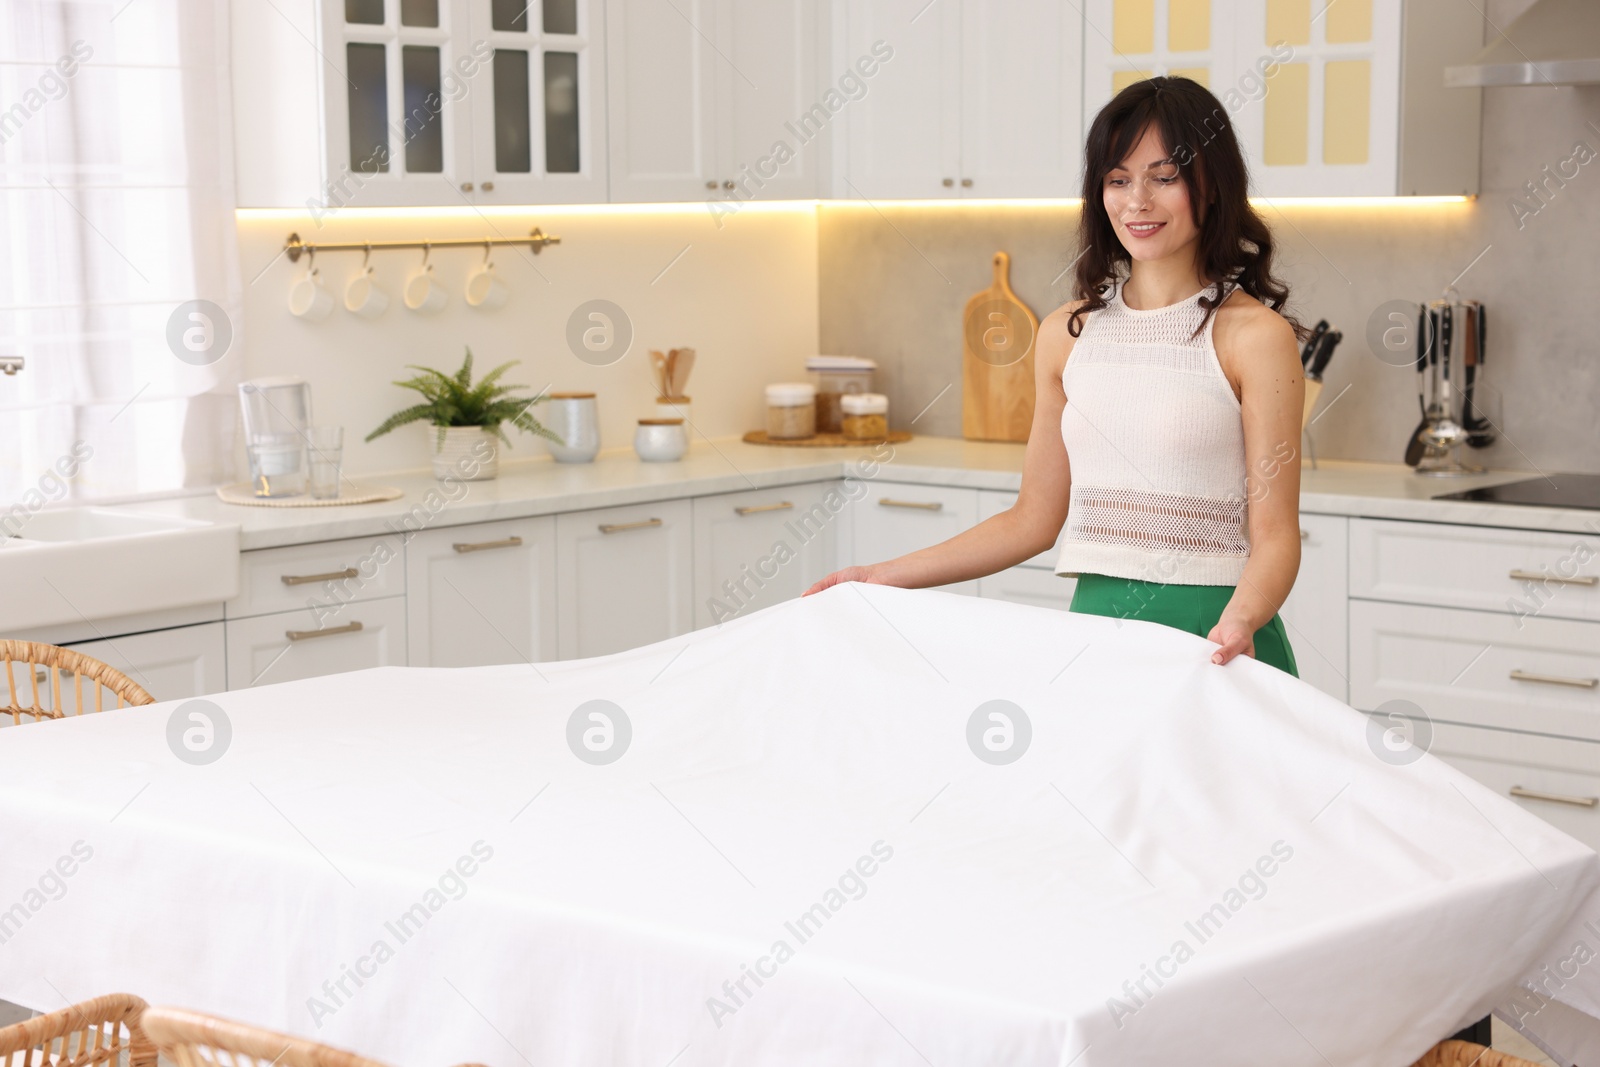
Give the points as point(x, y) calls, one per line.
point(1195, 608)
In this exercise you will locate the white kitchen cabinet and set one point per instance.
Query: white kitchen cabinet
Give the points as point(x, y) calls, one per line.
point(701, 92)
point(1033, 581)
point(1477, 667)
point(1343, 99)
point(418, 102)
point(758, 548)
point(482, 594)
point(1519, 572)
point(892, 519)
point(321, 576)
point(1359, 108)
point(1316, 614)
point(185, 661)
point(1554, 778)
point(625, 577)
point(981, 98)
point(308, 643)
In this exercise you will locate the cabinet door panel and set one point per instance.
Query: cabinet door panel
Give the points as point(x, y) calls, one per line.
point(893, 519)
point(903, 138)
point(1333, 129)
point(1478, 668)
point(397, 127)
point(538, 102)
point(261, 652)
point(662, 85)
point(482, 594)
point(767, 84)
point(625, 577)
point(1317, 611)
point(186, 661)
point(1029, 585)
point(1127, 42)
point(756, 549)
point(992, 502)
point(1022, 102)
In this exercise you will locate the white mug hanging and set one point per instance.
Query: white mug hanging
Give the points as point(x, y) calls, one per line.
point(485, 290)
point(362, 296)
point(424, 294)
point(307, 298)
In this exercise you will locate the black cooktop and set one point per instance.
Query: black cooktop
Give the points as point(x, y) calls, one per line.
point(1559, 490)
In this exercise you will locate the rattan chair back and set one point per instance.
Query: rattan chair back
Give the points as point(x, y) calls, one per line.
point(33, 683)
point(103, 1032)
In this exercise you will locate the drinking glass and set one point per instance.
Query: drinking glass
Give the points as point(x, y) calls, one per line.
point(325, 453)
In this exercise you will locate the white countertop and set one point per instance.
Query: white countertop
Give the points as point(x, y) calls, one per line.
point(542, 487)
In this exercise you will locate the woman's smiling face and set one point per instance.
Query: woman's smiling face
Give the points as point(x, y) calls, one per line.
point(1148, 201)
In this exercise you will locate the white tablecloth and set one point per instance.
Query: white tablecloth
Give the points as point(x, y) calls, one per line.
point(1188, 864)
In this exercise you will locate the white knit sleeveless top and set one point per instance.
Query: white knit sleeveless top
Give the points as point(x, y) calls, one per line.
point(1155, 442)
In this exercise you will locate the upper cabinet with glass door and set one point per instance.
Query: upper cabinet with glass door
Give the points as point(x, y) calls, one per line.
point(419, 102)
point(1328, 97)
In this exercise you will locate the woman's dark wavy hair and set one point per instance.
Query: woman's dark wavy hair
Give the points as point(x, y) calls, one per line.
point(1235, 245)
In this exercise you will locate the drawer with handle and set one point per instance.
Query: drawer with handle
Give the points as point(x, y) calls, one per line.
point(325, 573)
point(1557, 780)
point(1514, 572)
point(893, 519)
point(1478, 668)
point(288, 645)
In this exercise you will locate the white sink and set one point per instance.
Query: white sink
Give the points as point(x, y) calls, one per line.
point(74, 565)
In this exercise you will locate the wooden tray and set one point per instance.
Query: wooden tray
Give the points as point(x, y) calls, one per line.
point(825, 440)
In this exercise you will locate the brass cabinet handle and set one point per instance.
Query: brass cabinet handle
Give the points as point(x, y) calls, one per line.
point(1553, 679)
point(484, 546)
point(1554, 798)
point(1529, 576)
point(306, 635)
point(932, 505)
point(966, 183)
point(756, 509)
point(488, 187)
point(331, 576)
point(618, 527)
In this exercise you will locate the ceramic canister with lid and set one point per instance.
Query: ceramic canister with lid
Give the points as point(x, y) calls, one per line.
point(791, 411)
point(660, 440)
point(575, 418)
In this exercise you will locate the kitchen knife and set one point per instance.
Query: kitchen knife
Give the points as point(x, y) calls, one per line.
point(1324, 353)
point(1479, 430)
point(1415, 445)
point(1310, 348)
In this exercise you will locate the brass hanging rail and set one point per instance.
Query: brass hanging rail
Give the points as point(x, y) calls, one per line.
point(535, 240)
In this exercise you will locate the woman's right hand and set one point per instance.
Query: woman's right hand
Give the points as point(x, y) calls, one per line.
point(849, 574)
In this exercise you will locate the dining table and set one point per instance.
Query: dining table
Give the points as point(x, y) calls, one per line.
point(870, 826)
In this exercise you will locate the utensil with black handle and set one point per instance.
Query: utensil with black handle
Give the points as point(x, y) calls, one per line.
point(1416, 445)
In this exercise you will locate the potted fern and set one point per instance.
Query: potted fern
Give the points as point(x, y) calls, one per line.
point(468, 418)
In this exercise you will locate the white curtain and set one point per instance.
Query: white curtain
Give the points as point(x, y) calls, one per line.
point(116, 215)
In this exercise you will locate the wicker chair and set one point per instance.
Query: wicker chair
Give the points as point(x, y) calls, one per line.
point(191, 1039)
point(55, 661)
point(1467, 1054)
point(85, 1035)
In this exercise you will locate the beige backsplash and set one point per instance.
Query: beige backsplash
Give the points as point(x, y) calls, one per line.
point(893, 280)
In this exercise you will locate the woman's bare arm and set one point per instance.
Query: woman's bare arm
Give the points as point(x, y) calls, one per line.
point(1265, 357)
point(1028, 527)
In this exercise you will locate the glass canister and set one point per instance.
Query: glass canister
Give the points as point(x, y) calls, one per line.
point(277, 414)
point(864, 416)
point(575, 418)
point(791, 411)
point(833, 377)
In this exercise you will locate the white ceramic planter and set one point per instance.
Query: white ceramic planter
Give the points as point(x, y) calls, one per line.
point(470, 453)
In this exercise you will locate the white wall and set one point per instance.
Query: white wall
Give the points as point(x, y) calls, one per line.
point(743, 296)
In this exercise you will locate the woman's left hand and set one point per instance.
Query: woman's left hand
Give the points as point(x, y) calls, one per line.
point(1235, 635)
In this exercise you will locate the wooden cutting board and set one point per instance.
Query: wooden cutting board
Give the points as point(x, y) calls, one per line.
point(998, 331)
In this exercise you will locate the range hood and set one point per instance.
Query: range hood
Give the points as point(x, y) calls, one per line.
point(1554, 42)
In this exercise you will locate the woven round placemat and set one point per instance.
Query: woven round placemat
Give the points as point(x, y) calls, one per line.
point(825, 440)
point(241, 493)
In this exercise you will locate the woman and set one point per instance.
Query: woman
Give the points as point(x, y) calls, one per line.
point(1166, 430)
